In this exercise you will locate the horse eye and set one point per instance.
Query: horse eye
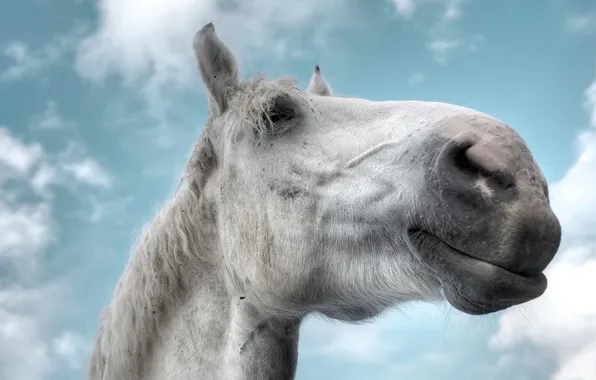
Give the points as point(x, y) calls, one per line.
point(281, 110)
point(280, 114)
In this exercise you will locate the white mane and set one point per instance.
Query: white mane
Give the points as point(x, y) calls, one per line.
point(150, 285)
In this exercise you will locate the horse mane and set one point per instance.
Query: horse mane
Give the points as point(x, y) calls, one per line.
point(151, 284)
point(153, 279)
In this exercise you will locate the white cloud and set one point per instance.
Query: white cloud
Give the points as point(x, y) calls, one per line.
point(450, 10)
point(453, 9)
point(363, 343)
point(30, 163)
point(27, 61)
point(26, 229)
point(564, 323)
point(50, 119)
point(442, 49)
point(444, 38)
point(16, 155)
point(405, 8)
point(584, 23)
point(151, 40)
point(23, 354)
point(28, 311)
point(72, 348)
point(101, 210)
point(88, 171)
point(415, 79)
point(45, 176)
point(27, 350)
point(375, 342)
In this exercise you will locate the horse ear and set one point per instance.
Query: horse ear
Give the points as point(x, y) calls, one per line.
point(217, 66)
point(318, 85)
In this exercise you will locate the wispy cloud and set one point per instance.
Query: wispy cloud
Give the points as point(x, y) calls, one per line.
point(50, 119)
point(88, 171)
point(23, 353)
point(100, 210)
point(444, 37)
point(30, 163)
point(72, 348)
point(27, 61)
point(449, 10)
point(582, 23)
point(443, 48)
point(28, 307)
point(150, 44)
point(416, 79)
point(362, 343)
point(26, 221)
point(26, 228)
point(405, 8)
point(452, 10)
point(28, 348)
point(17, 156)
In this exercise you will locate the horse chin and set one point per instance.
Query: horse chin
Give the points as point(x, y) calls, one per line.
point(474, 286)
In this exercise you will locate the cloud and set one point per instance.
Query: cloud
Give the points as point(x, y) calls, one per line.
point(50, 119)
point(29, 306)
point(450, 10)
point(100, 210)
point(363, 343)
point(405, 8)
point(146, 45)
point(444, 38)
point(88, 171)
point(31, 164)
point(453, 9)
point(27, 62)
point(28, 350)
point(151, 40)
point(26, 228)
point(23, 353)
point(564, 323)
point(72, 348)
point(442, 49)
point(15, 155)
point(582, 23)
point(416, 79)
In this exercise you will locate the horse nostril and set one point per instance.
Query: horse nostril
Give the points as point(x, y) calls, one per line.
point(477, 162)
point(463, 163)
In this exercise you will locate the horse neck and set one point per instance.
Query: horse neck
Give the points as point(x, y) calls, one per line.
point(216, 335)
point(232, 337)
point(220, 336)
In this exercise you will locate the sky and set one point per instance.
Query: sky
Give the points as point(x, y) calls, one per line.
point(100, 104)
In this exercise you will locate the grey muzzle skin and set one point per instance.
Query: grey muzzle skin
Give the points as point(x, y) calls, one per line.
point(488, 231)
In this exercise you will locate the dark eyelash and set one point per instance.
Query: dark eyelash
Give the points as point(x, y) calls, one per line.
point(279, 114)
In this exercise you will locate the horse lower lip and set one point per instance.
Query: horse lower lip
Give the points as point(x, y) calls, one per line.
point(474, 285)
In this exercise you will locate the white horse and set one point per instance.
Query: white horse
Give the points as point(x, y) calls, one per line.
point(297, 203)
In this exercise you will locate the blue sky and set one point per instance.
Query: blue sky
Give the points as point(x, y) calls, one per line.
point(100, 105)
